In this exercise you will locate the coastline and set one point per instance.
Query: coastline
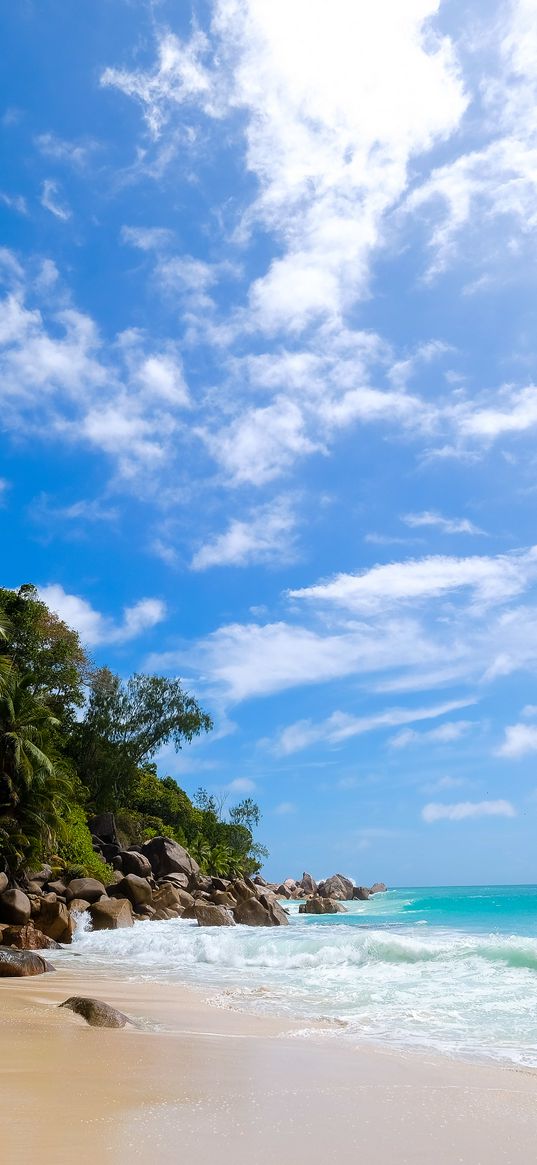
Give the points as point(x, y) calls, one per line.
point(202, 1081)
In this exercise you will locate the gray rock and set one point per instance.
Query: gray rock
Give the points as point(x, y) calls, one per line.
point(361, 893)
point(308, 883)
point(78, 905)
point(4, 883)
point(378, 888)
point(254, 912)
point(57, 887)
point(53, 920)
point(15, 907)
point(27, 938)
point(168, 857)
point(135, 863)
point(111, 914)
point(321, 906)
point(338, 886)
point(89, 888)
point(136, 889)
point(17, 964)
point(95, 1012)
point(208, 914)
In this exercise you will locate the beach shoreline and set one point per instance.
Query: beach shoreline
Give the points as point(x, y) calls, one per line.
point(197, 1081)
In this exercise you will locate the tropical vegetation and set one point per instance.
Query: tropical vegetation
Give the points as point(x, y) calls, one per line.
point(76, 740)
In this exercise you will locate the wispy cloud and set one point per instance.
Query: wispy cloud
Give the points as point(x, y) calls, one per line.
point(341, 726)
point(462, 810)
point(445, 525)
point(446, 733)
point(53, 201)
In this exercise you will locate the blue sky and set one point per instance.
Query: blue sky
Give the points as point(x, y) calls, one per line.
point(267, 347)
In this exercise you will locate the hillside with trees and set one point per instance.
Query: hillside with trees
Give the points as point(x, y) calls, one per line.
point(77, 740)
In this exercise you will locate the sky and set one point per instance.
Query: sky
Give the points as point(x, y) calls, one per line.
point(267, 350)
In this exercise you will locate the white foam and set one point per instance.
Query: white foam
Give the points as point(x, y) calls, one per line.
point(455, 992)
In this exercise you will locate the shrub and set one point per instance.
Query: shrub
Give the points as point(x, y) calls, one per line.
point(76, 850)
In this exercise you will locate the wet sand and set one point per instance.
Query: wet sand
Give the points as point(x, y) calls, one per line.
point(201, 1084)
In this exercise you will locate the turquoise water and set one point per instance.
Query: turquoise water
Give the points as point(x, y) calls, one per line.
point(470, 909)
point(452, 969)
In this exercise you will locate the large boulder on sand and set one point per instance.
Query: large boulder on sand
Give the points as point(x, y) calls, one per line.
point(89, 888)
point(15, 907)
point(168, 857)
point(338, 886)
point(17, 964)
point(321, 906)
point(111, 914)
point(207, 914)
point(95, 1012)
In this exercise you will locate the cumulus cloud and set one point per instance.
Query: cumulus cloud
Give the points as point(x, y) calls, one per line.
point(520, 740)
point(95, 628)
point(462, 810)
point(266, 536)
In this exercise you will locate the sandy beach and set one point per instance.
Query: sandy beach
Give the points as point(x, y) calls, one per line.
point(198, 1082)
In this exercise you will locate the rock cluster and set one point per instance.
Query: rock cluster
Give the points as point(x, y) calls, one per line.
point(158, 880)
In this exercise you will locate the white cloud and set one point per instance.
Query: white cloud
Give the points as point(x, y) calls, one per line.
point(520, 739)
point(241, 785)
point(462, 810)
point(76, 154)
point(52, 200)
point(15, 202)
point(341, 726)
point(493, 186)
point(95, 628)
point(444, 734)
point(179, 77)
point(267, 536)
point(492, 580)
point(285, 808)
point(445, 525)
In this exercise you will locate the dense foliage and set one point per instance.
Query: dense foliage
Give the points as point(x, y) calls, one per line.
point(75, 740)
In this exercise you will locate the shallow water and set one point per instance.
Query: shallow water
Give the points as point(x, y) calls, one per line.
point(453, 969)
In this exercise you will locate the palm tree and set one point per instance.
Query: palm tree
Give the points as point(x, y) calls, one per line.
point(34, 784)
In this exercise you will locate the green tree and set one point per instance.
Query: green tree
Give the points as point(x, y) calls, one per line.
point(43, 648)
point(35, 786)
point(125, 725)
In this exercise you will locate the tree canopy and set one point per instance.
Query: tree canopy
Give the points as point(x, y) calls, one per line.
point(75, 739)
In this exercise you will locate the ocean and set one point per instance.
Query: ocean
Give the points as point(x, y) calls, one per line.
point(451, 969)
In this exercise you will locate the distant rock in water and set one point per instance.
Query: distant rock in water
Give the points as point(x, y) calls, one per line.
point(361, 893)
point(95, 1012)
point(321, 906)
point(378, 888)
point(338, 886)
